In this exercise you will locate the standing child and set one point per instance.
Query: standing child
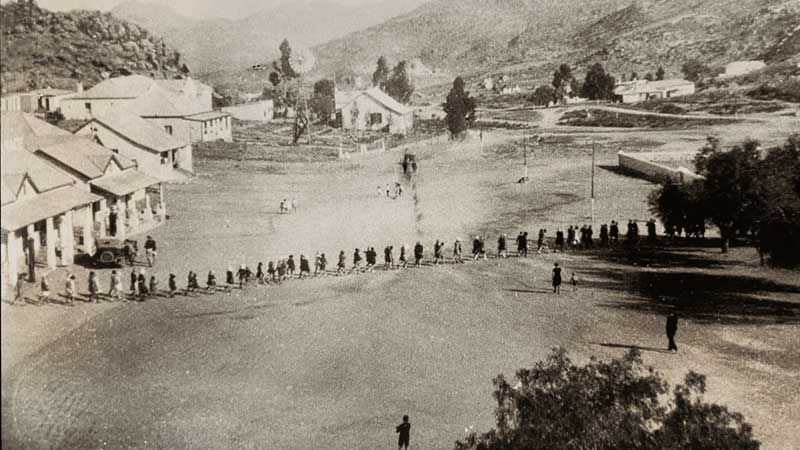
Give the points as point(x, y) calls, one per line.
point(403, 261)
point(290, 266)
point(45, 295)
point(404, 433)
point(574, 281)
point(115, 285)
point(173, 285)
point(153, 285)
point(556, 279)
point(323, 262)
point(70, 289)
point(340, 267)
point(304, 266)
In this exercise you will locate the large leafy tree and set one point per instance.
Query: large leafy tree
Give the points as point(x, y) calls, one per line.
point(459, 109)
point(660, 73)
point(681, 207)
point(598, 85)
point(731, 189)
point(323, 101)
point(606, 406)
point(563, 81)
point(381, 75)
point(543, 95)
point(694, 70)
point(284, 95)
point(779, 228)
point(399, 86)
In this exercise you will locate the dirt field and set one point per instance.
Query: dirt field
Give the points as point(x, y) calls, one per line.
point(335, 362)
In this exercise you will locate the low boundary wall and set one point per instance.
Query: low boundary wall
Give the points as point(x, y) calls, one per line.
point(645, 165)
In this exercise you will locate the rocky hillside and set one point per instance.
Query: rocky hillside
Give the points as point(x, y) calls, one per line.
point(223, 44)
point(43, 48)
point(478, 36)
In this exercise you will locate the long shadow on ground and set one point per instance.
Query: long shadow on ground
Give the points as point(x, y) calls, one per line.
point(682, 279)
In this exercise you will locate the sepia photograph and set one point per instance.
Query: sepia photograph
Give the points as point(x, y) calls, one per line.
point(410, 224)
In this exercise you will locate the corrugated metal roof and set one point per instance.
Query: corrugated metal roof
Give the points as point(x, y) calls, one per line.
point(81, 154)
point(49, 204)
point(387, 101)
point(43, 176)
point(208, 115)
point(139, 130)
point(124, 183)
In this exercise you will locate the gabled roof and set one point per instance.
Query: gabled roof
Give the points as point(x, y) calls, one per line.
point(160, 103)
point(387, 101)
point(124, 183)
point(16, 163)
point(23, 126)
point(131, 86)
point(82, 155)
point(138, 130)
point(40, 207)
point(343, 98)
point(208, 115)
point(8, 194)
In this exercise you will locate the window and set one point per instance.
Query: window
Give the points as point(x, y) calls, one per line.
point(168, 128)
point(375, 118)
point(88, 106)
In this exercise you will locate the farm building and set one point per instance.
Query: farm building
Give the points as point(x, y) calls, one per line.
point(640, 90)
point(182, 108)
point(373, 110)
point(262, 111)
point(156, 153)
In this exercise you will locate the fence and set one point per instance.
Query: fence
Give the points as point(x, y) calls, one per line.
point(645, 166)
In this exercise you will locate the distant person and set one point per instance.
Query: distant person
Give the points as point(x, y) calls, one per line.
point(70, 289)
point(524, 244)
point(404, 433)
point(153, 285)
point(340, 266)
point(403, 261)
point(150, 250)
point(388, 258)
point(437, 252)
point(556, 279)
point(290, 267)
point(173, 285)
point(283, 206)
point(672, 329)
point(651, 230)
point(613, 233)
point(502, 249)
point(559, 241)
point(134, 285)
point(574, 281)
point(458, 252)
point(44, 296)
point(229, 277)
point(604, 235)
point(260, 273)
point(305, 268)
point(141, 280)
point(323, 263)
point(115, 286)
point(357, 260)
point(211, 281)
point(271, 272)
point(94, 288)
point(540, 241)
point(317, 263)
point(418, 254)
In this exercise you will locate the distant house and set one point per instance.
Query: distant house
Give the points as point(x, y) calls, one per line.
point(737, 68)
point(156, 153)
point(640, 90)
point(182, 108)
point(373, 110)
point(261, 111)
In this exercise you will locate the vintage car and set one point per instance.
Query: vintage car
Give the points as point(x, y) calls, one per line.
point(115, 252)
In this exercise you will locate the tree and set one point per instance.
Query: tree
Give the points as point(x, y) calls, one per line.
point(323, 101)
point(598, 85)
point(543, 95)
point(381, 74)
point(731, 188)
point(779, 227)
point(634, 76)
point(606, 406)
point(459, 108)
point(399, 86)
point(285, 61)
point(563, 82)
point(649, 76)
point(660, 73)
point(680, 207)
point(694, 70)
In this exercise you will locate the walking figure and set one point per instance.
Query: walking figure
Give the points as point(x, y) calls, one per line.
point(115, 285)
point(672, 329)
point(173, 285)
point(340, 266)
point(404, 432)
point(304, 266)
point(502, 250)
point(70, 289)
point(418, 254)
point(574, 281)
point(556, 279)
point(458, 252)
point(94, 288)
point(150, 250)
point(403, 261)
point(45, 287)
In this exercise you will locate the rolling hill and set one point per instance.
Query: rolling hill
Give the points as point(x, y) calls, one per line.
point(42, 48)
point(478, 36)
point(213, 45)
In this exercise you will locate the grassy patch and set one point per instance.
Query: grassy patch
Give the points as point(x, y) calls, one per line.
point(234, 151)
point(603, 118)
point(722, 102)
point(524, 115)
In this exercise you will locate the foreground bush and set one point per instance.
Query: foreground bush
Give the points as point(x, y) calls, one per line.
point(615, 405)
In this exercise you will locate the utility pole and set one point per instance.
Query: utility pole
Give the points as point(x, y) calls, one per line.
point(593, 145)
point(525, 156)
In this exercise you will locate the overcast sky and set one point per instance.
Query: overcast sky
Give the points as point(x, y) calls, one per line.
point(189, 8)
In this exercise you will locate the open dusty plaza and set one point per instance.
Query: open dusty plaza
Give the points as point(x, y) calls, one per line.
point(335, 361)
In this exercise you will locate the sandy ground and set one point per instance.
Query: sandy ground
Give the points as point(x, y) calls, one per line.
point(335, 362)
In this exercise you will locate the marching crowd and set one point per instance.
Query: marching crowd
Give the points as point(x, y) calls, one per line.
point(142, 286)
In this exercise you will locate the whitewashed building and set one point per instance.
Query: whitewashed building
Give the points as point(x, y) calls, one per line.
point(640, 90)
point(373, 110)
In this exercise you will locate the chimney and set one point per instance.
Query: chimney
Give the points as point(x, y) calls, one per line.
point(79, 86)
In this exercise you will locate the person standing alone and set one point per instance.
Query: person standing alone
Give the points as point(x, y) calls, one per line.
point(404, 432)
point(672, 329)
point(150, 250)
